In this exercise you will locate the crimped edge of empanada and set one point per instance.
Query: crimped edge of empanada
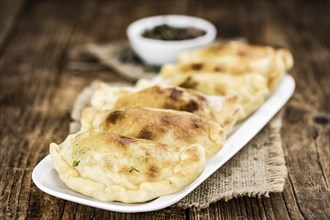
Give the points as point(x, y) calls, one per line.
point(191, 165)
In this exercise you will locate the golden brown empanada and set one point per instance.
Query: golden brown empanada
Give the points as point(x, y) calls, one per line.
point(170, 127)
point(235, 58)
point(250, 88)
point(110, 167)
point(223, 110)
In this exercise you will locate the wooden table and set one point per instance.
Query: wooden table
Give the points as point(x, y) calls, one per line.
point(37, 93)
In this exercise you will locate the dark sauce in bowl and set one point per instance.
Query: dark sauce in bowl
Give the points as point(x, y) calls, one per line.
point(170, 33)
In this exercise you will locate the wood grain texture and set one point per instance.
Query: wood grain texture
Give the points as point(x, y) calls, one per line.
point(10, 12)
point(37, 94)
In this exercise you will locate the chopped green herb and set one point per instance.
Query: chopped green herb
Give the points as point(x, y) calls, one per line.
point(167, 32)
point(134, 169)
point(75, 163)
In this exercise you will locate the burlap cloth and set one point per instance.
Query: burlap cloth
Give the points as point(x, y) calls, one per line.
point(258, 169)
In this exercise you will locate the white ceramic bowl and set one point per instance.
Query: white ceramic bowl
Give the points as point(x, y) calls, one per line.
point(158, 52)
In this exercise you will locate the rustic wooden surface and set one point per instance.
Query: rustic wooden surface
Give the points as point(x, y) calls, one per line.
point(37, 92)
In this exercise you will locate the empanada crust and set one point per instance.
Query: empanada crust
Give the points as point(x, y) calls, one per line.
point(236, 58)
point(170, 127)
point(111, 167)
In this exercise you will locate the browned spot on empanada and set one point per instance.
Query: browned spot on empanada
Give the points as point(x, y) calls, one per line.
point(189, 83)
point(219, 68)
point(197, 66)
point(201, 98)
point(145, 134)
point(175, 93)
point(124, 141)
point(191, 106)
point(113, 117)
point(197, 123)
point(167, 119)
point(153, 171)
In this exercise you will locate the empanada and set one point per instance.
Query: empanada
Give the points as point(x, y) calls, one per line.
point(250, 88)
point(170, 127)
point(223, 110)
point(105, 96)
point(235, 58)
point(111, 167)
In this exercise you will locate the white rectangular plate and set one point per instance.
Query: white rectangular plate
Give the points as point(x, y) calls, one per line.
point(47, 179)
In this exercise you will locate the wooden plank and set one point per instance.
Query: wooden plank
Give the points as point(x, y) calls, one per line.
point(39, 95)
point(302, 150)
point(10, 11)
